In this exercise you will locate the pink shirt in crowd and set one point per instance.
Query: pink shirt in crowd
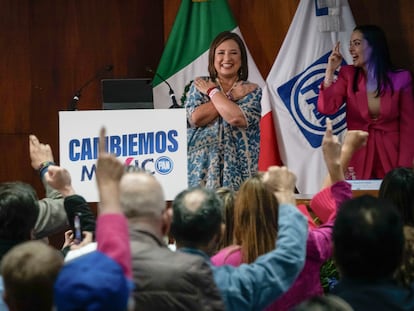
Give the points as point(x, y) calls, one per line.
point(113, 240)
point(318, 248)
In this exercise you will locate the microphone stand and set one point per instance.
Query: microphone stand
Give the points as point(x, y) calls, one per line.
point(73, 105)
point(173, 99)
point(170, 92)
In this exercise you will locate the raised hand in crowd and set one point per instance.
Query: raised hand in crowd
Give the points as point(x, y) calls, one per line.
point(353, 141)
point(39, 153)
point(281, 182)
point(109, 171)
point(59, 178)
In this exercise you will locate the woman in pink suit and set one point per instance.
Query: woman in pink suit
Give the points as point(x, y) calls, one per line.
point(378, 99)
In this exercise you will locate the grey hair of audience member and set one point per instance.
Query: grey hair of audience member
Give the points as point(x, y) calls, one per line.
point(197, 217)
point(141, 195)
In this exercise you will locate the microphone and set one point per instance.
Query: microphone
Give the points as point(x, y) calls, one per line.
point(73, 105)
point(171, 91)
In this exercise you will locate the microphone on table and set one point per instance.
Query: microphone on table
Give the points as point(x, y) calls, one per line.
point(73, 105)
point(171, 91)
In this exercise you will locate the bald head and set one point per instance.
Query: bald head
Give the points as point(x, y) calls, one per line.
point(194, 200)
point(141, 195)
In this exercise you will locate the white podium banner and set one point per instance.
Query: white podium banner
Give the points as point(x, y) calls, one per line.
point(152, 139)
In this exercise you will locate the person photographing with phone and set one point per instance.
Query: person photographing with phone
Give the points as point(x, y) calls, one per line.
point(80, 217)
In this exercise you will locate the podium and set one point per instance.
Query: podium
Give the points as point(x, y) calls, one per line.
point(154, 140)
point(359, 187)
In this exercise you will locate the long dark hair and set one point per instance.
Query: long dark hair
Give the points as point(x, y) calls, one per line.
point(380, 58)
point(220, 38)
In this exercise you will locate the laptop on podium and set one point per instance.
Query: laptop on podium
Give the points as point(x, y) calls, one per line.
point(127, 94)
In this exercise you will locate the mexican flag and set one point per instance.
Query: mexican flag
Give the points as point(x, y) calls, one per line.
point(186, 57)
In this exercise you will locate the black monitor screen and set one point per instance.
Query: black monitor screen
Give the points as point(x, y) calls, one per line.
point(127, 94)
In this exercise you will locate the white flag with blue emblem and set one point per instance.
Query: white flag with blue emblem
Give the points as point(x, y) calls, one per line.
point(293, 86)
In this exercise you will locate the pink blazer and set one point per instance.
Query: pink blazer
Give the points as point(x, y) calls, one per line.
point(391, 137)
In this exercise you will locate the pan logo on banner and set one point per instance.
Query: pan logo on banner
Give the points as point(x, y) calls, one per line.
point(134, 146)
point(300, 96)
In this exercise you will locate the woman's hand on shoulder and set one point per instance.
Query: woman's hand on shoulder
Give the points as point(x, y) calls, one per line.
point(242, 89)
point(204, 85)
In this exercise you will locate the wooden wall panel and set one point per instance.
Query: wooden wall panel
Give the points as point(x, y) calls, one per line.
point(14, 67)
point(49, 49)
point(396, 17)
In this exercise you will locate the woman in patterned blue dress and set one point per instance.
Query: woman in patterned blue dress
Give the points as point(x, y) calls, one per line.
point(223, 111)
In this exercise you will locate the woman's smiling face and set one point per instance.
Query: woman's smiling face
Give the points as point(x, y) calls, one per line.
point(360, 50)
point(227, 59)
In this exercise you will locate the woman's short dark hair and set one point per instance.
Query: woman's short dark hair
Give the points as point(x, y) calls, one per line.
point(19, 209)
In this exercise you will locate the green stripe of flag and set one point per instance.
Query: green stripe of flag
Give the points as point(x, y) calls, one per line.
point(196, 25)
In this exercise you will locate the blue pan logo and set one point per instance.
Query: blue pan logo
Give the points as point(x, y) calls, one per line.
point(300, 96)
point(164, 165)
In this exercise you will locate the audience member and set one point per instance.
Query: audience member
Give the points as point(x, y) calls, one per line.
point(197, 218)
point(223, 111)
point(323, 204)
point(227, 196)
point(29, 271)
point(22, 215)
point(256, 228)
point(100, 280)
point(52, 216)
point(378, 99)
point(164, 280)
point(19, 209)
point(74, 206)
point(398, 187)
point(255, 224)
point(368, 246)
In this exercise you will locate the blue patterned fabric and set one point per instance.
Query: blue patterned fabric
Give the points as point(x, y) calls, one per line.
point(219, 154)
